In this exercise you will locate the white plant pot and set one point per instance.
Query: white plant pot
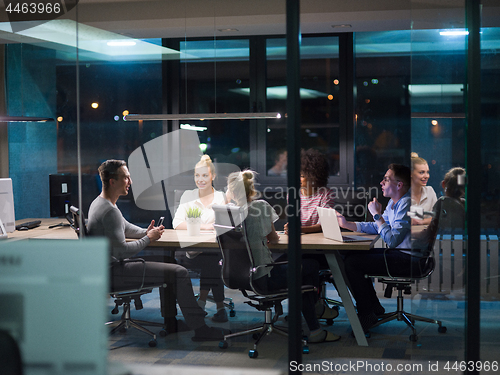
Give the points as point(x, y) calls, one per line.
point(193, 226)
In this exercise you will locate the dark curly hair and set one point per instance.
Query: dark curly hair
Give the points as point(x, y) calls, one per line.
point(314, 165)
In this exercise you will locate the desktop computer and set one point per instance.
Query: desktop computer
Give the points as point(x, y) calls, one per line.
point(7, 216)
point(53, 302)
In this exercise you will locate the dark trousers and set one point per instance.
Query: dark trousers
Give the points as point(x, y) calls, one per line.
point(124, 275)
point(210, 273)
point(310, 276)
point(359, 264)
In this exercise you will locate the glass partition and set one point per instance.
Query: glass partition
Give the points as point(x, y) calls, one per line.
point(408, 89)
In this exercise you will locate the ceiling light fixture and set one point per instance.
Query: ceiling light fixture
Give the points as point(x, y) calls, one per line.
point(205, 116)
point(345, 26)
point(227, 30)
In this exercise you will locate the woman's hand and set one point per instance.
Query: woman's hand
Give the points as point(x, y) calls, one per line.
point(207, 227)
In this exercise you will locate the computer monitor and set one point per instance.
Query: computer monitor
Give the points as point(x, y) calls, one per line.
point(7, 205)
point(53, 301)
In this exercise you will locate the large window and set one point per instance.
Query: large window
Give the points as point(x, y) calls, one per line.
point(321, 127)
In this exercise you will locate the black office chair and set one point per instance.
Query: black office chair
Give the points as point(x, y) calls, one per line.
point(122, 292)
point(448, 213)
point(237, 273)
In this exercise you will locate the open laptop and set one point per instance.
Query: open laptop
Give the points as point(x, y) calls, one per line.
point(331, 228)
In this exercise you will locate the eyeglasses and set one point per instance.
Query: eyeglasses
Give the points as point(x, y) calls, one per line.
point(387, 179)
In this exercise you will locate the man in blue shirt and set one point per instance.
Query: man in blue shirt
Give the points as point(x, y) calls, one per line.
point(394, 227)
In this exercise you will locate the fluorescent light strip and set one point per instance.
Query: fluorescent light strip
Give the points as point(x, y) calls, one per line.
point(205, 116)
point(24, 119)
point(454, 32)
point(121, 43)
point(192, 127)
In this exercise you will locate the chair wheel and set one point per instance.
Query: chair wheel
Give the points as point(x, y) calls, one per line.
point(232, 313)
point(223, 345)
point(163, 333)
point(152, 343)
point(329, 322)
point(305, 349)
point(413, 338)
point(442, 329)
point(253, 353)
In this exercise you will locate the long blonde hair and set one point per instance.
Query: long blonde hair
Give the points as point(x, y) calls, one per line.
point(242, 186)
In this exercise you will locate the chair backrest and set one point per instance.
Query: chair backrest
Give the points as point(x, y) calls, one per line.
point(448, 218)
point(77, 221)
point(237, 258)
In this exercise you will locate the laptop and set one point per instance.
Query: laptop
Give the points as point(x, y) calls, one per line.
point(331, 228)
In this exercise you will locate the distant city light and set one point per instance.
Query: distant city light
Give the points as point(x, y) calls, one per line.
point(94, 105)
point(59, 119)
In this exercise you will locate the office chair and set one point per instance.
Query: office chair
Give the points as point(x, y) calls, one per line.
point(122, 292)
point(425, 246)
point(237, 273)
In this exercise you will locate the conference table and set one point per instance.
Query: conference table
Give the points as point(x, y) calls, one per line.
point(178, 240)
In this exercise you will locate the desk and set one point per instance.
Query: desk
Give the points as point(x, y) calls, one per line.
point(172, 239)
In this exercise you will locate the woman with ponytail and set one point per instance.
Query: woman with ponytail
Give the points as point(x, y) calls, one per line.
point(260, 231)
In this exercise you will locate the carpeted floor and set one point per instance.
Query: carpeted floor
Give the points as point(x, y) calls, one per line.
point(389, 346)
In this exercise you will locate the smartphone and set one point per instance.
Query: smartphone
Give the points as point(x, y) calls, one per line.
point(160, 222)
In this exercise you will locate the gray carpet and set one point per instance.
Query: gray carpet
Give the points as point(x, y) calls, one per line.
point(389, 344)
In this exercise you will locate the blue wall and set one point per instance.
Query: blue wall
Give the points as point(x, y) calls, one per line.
point(31, 91)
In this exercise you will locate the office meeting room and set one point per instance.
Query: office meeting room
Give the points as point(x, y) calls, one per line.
point(249, 187)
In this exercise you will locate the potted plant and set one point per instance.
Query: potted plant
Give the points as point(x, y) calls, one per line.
point(193, 221)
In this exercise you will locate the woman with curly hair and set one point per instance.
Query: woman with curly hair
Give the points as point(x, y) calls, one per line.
point(314, 172)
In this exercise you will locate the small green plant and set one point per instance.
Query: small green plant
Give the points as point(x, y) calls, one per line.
point(193, 212)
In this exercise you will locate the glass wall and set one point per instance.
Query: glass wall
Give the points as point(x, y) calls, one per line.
point(408, 91)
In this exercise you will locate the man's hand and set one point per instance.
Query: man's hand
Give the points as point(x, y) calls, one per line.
point(375, 207)
point(285, 228)
point(342, 220)
point(154, 233)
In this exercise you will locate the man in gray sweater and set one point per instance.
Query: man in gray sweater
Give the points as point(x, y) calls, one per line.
point(106, 220)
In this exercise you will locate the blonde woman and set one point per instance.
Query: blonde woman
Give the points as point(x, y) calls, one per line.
point(204, 197)
point(260, 230)
point(421, 195)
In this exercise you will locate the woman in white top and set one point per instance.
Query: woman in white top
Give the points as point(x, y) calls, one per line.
point(204, 197)
point(260, 230)
point(421, 195)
